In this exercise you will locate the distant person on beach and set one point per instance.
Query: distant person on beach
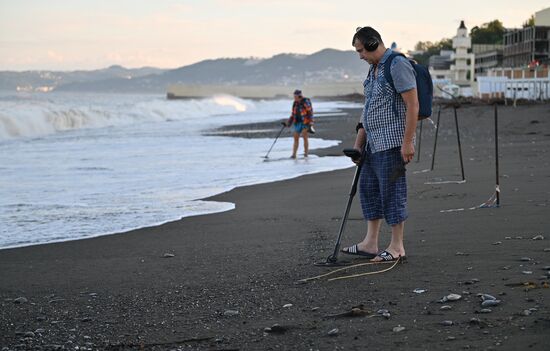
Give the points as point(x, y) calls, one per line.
point(386, 133)
point(301, 121)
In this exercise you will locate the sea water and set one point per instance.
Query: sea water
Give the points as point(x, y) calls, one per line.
point(74, 166)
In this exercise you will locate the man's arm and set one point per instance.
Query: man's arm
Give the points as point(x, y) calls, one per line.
point(360, 141)
point(410, 98)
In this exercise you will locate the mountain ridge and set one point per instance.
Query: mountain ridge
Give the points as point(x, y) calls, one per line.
point(324, 66)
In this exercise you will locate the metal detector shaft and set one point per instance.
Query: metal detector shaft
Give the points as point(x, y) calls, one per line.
point(334, 256)
point(278, 135)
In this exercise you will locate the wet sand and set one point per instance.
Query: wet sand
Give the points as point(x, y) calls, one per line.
point(232, 274)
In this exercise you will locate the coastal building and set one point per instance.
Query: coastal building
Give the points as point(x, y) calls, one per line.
point(529, 45)
point(441, 62)
point(487, 56)
point(440, 70)
point(462, 72)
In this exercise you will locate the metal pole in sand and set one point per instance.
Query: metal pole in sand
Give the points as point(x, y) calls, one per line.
point(435, 140)
point(419, 142)
point(497, 188)
point(459, 146)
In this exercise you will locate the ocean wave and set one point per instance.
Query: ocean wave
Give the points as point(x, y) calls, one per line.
point(41, 116)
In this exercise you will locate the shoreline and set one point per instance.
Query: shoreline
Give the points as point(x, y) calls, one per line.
point(250, 127)
point(232, 273)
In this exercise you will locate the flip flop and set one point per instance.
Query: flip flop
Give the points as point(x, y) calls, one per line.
point(354, 250)
point(388, 257)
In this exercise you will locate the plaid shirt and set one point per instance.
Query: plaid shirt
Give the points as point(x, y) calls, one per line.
point(385, 111)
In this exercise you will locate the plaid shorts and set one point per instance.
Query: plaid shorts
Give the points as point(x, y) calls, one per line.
point(381, 198)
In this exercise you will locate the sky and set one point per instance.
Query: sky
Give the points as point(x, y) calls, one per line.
point(90, 34)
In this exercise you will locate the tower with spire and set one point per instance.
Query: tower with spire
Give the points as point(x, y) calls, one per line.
point(461, 43)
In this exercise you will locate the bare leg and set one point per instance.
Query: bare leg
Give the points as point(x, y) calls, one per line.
point(306, 142)
point(295, 146)
point(370, 243)
point(396, 247)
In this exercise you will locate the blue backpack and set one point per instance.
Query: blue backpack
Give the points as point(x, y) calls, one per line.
point(424, 85)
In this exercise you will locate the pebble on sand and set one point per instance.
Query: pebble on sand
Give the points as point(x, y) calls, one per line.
point(398, 329)
point(451, 297)
point(231, 313)
point(20, 300)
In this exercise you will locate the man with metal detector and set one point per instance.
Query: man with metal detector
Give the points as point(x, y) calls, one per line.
point(385, 136)
point(301, 121)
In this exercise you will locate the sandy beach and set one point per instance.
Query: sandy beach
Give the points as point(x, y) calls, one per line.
point(230, 281)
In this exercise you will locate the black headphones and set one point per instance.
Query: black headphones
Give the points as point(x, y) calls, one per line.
point(371, 44)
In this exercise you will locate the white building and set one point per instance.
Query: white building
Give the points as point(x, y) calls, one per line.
point(459, 71)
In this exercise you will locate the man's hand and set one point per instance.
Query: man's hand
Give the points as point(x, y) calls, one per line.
point(407, 151)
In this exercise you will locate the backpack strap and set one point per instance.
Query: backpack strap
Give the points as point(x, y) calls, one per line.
point(387, 67)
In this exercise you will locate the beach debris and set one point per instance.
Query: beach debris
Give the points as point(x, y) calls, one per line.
point(490, 303)
point(20, 300)
point(230, 313)
point(333, 332)
point(497, 243)
point(526, 312)
point(287, 305)
point(508, 238)
point(356, 311)
point(168, 255)
point(419, 291)
point(276, 329)
point(527, 272)
point(485, 310)
point(525, 259)
point(485, 297)
point(447, 323)
point(315, 308)
point(451, 297)
point(446, 307)
point(538, 237)
point(59, 299)
point(398, 329)
point(451, 338)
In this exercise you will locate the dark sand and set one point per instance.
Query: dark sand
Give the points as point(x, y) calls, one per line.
point(120, 292)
